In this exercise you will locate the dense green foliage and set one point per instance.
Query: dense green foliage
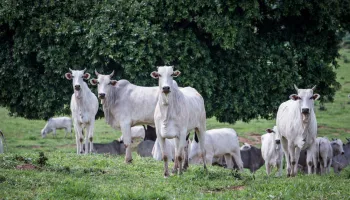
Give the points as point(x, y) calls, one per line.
point(243, 56)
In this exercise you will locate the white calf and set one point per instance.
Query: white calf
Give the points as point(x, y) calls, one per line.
point(57, 123)
point(325, 151)
point(271, 150)
point(218, 143)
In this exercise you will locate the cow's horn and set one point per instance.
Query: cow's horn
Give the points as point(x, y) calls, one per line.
point(96, 73)
point(313, 88)
point(296, 87)
point(84, 70)
point(112, 74)
point(70, 70)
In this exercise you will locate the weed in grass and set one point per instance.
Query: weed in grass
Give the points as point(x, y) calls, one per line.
point(42, 159)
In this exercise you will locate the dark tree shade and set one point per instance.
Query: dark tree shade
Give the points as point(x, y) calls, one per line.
point(243, 56)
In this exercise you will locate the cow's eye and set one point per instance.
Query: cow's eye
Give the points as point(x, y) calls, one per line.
point(312, 97)
point(72, 76)
point(299, 98)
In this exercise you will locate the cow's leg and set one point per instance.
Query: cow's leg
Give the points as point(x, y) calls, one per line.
point(238, 159)
point(286, 154)
point(79, 139)
point(329, 165)
point(90, 134)
point(65, 132)
point(164, 155)
point(176, 161)
point(311, 159)
point(296, 155)
point(54, 132)
point(185, 166)
point(126, 132)
point(229, 161)
point(201, 137)
point(179, 153)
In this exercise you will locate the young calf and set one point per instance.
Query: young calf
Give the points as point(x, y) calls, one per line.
point(271, 150)
point(57, 123)
point(326, 150)
point(339, 162)
point(219, 142)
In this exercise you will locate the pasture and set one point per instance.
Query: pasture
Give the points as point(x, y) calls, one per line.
point(65, 175)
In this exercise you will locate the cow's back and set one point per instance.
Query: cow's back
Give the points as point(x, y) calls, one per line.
point(222, 140)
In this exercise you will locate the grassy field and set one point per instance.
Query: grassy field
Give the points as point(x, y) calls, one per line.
point(66, 175)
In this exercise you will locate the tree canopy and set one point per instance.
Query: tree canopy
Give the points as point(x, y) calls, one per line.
point(242, 56)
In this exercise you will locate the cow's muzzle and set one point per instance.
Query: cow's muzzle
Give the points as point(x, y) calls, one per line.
point(278, 141)
point(342, 153)
point(101, 95)
point(305, 111)
point(166, 89)
point(77, 87)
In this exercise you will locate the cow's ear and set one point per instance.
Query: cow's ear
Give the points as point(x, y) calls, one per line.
point(155, 75)
point(113, 82)
point(94, 81)
point(294, 97)
point(316, 96)
point(269, 130)
point(68, 76)
point(86, 76)
point(176, 73)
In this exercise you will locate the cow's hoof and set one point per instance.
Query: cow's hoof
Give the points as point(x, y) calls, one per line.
point(166, 175)
point(174, 171)
point(128, 161)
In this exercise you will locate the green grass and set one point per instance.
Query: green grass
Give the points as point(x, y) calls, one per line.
point(70, 176)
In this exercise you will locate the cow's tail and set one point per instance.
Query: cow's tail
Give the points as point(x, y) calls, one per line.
point(3, 139)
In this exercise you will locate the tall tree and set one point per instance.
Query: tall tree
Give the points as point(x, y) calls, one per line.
point(243, 56)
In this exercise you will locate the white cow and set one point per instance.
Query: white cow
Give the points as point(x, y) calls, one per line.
point(2, 142)
point(325, 151)
point(57, 123)
point(136, 132)
point(271, 150)
point(296, 122)
point(84, 106)
point(178, 111)
point(125, 105)
point(218, 143)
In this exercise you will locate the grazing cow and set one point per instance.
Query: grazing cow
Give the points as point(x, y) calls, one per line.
point(178, 111)
point(136, 132)
point(341, 161)
point(125, 105)
point(115, 147)
point(297, 125)
point(57, 123)
point(144, 149)
point(219, 142)
point(271, 150)
point(326, 150)
point(150, 133)
point(84, 106)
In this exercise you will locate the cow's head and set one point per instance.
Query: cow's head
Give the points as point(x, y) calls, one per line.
point(245, 147)
point(276, 135)
point(104, 84)
point(306, 98)
point(337, 146)
point(78, 77)
point(165, 75)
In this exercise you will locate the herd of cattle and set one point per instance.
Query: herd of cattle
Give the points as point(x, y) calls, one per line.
point(169, 113)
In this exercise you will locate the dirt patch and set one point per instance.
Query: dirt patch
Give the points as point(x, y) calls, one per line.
point(330, 128)
point(236, 188)
point(26, 167)
point(251, 138)
point(36, 147)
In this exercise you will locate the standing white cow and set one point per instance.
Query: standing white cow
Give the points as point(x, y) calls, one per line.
point(218, 143)
point(84, 106)
point(57, 123)
point(296, 122)
point(178, 111)
point(125, 105)
point(325, 151)
point(271, 150)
